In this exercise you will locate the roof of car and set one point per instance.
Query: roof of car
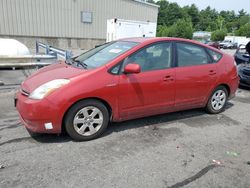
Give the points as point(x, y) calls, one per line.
point(159, 39)
point(154, 39)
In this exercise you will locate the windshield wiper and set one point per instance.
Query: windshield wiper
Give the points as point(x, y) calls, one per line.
point(84, 65)
point(69, 61)
point(78, 63)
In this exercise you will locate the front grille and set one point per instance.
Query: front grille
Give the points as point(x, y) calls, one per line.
point(26, 93)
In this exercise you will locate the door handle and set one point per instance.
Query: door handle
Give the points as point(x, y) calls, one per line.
point(168, 78)
point(212, 72)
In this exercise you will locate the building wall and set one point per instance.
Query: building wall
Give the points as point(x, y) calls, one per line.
point(62, 18)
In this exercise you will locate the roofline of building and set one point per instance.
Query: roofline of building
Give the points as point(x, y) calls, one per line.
point(144, 2)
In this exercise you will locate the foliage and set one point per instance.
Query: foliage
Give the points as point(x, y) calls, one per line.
point(151, 1)
point(201, 20)
point(218, 35)
point(182, 29)
point(244, 30)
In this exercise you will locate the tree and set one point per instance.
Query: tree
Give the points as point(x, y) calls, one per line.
point(218, 35)
point(244, 30)
point(242, 12)
point(220, 22)
point(162, 30)
point(182, 29)
point(192, 12)
point(151, 1)
point(169, 13)
point(207, 19)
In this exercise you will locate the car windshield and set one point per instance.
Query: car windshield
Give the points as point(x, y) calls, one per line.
point(103, 54)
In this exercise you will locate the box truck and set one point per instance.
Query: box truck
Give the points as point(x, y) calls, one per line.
point(119, 28)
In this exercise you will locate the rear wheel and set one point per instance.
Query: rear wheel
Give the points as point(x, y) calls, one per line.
point(86, 120)
point(217, 100)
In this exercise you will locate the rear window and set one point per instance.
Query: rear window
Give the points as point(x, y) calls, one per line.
point(215, 55)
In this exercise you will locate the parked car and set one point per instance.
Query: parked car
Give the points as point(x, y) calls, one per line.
point(227, 44)
point(213, 44)
point(224, 42)
point(126, 79)
point(244, 74)
point(241, 55)
point(242, 59)
point(230, 46)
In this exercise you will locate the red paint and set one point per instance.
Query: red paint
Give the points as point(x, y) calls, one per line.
point(129, 95)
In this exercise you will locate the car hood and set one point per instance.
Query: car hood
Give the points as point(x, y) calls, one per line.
point(58, 70)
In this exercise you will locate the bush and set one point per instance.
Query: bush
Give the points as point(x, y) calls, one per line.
point(218, 35)
point(244, 30)
point(182, 29)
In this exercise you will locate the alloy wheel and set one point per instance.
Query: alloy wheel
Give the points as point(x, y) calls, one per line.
point(218, 99)
point(88, 121)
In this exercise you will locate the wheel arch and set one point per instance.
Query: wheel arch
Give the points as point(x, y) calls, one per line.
point(211, 92)
point(106, 104)
point(227, 88)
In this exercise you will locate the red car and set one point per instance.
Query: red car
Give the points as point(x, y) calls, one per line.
point(126, 79)
point(214, 44)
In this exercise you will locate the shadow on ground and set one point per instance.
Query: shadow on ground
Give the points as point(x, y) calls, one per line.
point(244, 87)
point(154, 121)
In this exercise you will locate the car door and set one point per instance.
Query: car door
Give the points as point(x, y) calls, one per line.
point(151, 91)
point(195, 75)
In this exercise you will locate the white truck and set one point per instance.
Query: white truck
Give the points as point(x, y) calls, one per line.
point(237, 40)
point(119, 28)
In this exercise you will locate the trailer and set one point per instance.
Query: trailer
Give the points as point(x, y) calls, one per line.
point(239, 40)
point(119, 28)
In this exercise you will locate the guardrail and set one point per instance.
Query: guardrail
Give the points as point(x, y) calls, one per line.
point(49, 56)
point(53, 51)
point(22, 65)
point(26, 61)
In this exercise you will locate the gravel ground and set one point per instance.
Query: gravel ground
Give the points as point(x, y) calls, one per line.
point(183, 149)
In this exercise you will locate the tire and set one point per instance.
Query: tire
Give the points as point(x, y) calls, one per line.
point(217, 101)
point(86, 120)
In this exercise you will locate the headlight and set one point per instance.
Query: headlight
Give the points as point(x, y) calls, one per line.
point(47, 88)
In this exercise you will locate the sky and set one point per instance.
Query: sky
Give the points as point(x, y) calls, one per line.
point(219, 5)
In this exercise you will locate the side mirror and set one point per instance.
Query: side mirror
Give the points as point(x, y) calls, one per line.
point(132, 68)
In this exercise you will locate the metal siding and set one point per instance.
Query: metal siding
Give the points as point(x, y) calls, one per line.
point(8, 8)
point(3, 21)
point(61, 18)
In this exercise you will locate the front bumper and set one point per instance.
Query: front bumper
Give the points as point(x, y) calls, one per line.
point(39, 116)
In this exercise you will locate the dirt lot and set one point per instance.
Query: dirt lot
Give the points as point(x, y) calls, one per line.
point(172, 150)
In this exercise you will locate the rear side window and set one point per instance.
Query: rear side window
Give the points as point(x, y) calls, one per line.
point(215, 55)
point(190, 55)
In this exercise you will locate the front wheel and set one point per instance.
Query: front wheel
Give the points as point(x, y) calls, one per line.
point(86, 120)
point(217, 100)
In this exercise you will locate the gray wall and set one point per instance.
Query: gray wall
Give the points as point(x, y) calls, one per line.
point(61, 18)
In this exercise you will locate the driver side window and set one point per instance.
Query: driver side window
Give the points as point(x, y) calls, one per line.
point(155, 57)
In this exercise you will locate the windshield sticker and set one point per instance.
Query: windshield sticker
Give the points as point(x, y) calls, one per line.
point(116, 51)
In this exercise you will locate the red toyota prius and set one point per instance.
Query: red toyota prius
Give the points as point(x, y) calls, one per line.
point(125, 79)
